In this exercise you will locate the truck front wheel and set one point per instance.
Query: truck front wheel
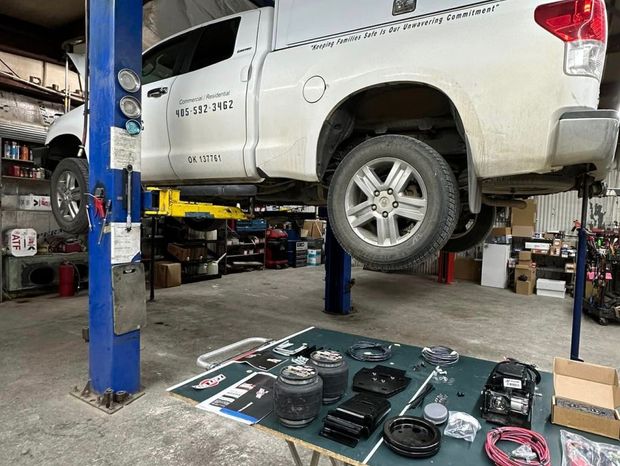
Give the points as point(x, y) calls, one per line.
point(393, 202)
point(69, 203)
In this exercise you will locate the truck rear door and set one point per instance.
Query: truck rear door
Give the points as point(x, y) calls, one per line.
point(207, 108)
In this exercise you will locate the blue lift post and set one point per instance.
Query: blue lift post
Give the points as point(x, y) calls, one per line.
point(337, 276)
point(580, 278)
point(115, 43)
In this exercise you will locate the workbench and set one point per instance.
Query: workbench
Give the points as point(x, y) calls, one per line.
point(469, 376)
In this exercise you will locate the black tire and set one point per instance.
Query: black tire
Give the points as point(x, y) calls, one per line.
point(464, 238)
point(440, 217)
point(76, 223)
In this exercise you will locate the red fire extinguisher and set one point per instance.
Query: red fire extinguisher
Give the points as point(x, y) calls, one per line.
point(66, 280)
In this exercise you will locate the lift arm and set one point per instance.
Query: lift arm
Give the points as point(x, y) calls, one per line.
point(167, 203)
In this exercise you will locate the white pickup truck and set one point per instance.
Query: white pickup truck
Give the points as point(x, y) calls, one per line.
point(410, 119)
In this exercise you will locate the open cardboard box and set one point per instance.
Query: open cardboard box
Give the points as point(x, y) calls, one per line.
point(587, 384)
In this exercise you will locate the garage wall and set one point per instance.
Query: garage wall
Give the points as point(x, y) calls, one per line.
point(558, 212)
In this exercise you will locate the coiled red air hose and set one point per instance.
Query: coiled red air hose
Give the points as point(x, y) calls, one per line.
point(520, 436)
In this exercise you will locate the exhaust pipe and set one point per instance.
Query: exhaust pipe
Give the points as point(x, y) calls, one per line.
point(219, 190)
point(494, 202)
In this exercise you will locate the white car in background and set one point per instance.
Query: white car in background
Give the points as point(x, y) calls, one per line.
point(411, 120)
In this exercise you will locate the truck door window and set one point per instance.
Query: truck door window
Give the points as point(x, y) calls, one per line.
point(216, 44)
point(163, 61)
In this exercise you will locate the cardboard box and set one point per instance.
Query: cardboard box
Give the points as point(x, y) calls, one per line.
point(503, 231)
point(35, 202)
point(523, 231)
point(167, 274)
point(179, 252)
point(524, 217)
point(525, 288)
point(313, 229)
point(525, 257)
point(466, 268)
point(586, 384)
point(525, 270)
point(538, 246)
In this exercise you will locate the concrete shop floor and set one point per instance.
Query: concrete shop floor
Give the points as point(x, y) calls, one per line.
point(42, 356)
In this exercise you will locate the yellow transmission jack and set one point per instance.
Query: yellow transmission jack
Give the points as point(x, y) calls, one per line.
point(168, 203)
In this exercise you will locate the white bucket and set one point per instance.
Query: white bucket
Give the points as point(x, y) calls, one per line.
point(314, 257)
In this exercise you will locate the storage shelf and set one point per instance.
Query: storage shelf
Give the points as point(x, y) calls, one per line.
point(237, 256)
point(27, 210)
point(30, 162)
point(247, 245)
point(553, 270)
point(21, 178)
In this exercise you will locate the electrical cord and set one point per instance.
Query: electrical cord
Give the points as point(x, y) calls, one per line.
point(520, 436)
point(370, 351)
point(440, 355)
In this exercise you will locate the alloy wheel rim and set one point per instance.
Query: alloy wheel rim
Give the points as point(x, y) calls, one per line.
point(386, 202)
point(68, 196)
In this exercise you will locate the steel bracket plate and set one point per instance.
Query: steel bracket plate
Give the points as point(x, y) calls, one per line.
point(129, 298)
point(109, 402)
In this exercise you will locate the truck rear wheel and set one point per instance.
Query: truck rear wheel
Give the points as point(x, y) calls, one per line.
point(69, 186)
point(393, 202)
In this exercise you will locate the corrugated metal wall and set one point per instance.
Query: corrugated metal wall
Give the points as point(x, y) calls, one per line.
point(558, 212)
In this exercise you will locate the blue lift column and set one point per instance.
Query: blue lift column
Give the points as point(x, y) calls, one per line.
point(337, 274)
point(580, 278)
point(117, 308)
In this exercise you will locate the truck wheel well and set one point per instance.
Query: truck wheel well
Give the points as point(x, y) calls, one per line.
point(401, 108)
point(60, 148)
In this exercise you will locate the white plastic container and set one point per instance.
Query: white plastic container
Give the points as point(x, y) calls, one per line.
point(551, 288)
point(21, 242)
point(314, 257)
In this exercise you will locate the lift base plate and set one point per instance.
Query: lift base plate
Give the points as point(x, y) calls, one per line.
point(109, 402)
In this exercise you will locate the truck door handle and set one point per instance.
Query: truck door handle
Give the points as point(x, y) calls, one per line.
point(157, 92)
point(246, 73)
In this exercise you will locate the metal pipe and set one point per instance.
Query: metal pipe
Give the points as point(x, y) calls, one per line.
point(66, 83)
point(154, 222)
point(514, 203)
point(203, 360)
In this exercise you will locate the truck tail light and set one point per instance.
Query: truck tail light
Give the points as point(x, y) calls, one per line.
point(582, 25)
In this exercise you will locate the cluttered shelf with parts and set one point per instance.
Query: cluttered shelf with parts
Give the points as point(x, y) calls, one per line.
point(6, 159)
point(245, 245)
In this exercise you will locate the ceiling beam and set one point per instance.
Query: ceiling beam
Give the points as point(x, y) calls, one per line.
point(29, 40)
point(73, 30)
